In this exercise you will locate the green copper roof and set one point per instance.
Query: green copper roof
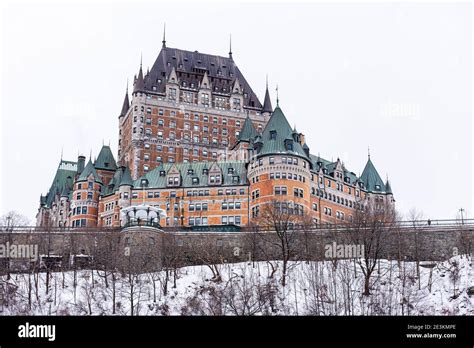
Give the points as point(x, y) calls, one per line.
point(275, 144)
point(88, 170)
point(106, 159)
point(126, 178)
point(157, 181)
point(371, 178)
point(388, 188)
point(121, 177)
point(248, 131)
point(64, 176)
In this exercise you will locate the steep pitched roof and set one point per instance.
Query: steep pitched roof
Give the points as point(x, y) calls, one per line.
point(191, 66)
point(106, 159)
point(267, 103)
point(139, 83)
point(121, 177)
point(88, 170)
point(157, 181)
point(248, 131)
point(126, 178)
point(371, 178)
point(276, 144)
point(64, 176)
point(126, 105)
point(388, 188)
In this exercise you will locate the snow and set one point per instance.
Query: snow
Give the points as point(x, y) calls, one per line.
point(312, 288)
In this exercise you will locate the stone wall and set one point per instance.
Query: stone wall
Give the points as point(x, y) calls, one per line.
point(147, 248)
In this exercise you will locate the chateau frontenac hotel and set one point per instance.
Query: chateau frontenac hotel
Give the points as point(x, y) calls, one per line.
point(196, 141)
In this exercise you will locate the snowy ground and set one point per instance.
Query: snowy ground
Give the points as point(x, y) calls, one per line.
point(313, 288)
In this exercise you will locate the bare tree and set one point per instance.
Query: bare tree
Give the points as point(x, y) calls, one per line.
point(285, 220)
point(371, 224)
point(8, 222)
point(415, 216)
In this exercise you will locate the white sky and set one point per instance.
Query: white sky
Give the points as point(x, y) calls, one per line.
point(395, 77)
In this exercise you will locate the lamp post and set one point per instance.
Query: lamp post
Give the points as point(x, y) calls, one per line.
point(461, 210)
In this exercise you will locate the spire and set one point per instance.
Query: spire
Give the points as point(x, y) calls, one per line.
point(267, 104)
point(164, 36)
point(230, 46)
point(126, 103)
point(278, 100)
point(139, 85)
point(388, 188)
point(248, 131)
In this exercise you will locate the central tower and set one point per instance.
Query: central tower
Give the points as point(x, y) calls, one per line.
point(189, 107)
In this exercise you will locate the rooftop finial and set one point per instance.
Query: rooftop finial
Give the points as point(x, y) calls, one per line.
point(368, 151)
point(164, 35)
point(141, 60)
point(278, 100)
point(62, 147)
point(230, 45)
point(266, 77)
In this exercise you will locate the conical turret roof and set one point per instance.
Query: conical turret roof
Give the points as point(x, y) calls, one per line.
point(248, 131)
point(371, 178)
point(88, 170)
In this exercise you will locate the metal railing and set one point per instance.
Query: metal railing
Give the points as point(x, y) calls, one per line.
point(422, 225)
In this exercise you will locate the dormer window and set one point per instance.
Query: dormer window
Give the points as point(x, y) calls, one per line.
point(173, 181)
point(215, 179)
point(190, 171)
point(377, 187)
point(144, 182)
point(230, 171)
point(195, 180)
point(205, 171)
point(273, 134)
point(162, 173)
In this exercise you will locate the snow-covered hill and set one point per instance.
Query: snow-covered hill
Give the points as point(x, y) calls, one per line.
point(313, 288)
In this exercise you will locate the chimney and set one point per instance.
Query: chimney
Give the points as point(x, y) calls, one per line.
point(302, 139)
point(81, 161)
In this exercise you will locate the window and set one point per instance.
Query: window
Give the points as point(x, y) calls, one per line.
point(271, 160)
point(280, 190)
point(255, 194)
point(172, 94)
point(205, 99)
point(298, 192)
point(273, 134)
point(89, 195)
point(315, 207)
point(236, 104)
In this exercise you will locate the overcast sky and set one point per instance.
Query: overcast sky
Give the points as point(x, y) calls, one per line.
point(393, 77)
